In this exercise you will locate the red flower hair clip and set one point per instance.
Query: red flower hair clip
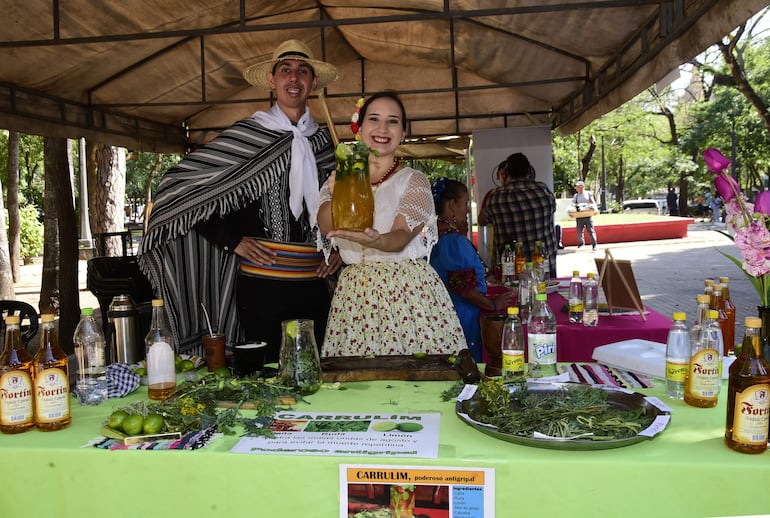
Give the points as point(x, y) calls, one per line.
point(354, 126)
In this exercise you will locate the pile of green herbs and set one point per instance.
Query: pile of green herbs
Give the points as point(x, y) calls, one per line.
point(571, 412)
point(196, 405)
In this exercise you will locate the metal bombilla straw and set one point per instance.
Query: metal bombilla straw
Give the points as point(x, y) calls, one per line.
point(208, 320)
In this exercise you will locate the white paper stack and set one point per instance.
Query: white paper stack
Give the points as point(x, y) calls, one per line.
point(643, 357)
point(636, 355)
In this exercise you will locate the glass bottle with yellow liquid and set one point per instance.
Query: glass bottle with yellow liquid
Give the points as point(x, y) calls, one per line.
point(748, 395)
point(52, 387)
point(352, 198)
point(717, 302)
point(160, 354)
point(16, 387)
point(521, 260)
point(537, 260)
point(704, 373)
point(729, 308)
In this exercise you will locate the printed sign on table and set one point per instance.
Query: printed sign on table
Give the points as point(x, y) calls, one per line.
point(434, 491)
point(358, 435)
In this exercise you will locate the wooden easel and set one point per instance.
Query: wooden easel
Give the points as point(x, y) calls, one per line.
point(619, 285)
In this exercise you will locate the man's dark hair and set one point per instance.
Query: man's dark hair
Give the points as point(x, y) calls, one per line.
point(517, 166)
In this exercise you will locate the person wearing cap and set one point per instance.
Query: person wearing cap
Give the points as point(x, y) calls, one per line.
point(584, 200)
point(233, 227)
point(522, 209)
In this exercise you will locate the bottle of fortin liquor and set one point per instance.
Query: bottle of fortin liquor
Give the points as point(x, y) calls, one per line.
point(16, 388)
point(703, 380)
point(52, 388)
point(748, 395)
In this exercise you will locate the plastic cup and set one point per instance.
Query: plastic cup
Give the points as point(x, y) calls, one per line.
point(249, 358)
point(214, 351)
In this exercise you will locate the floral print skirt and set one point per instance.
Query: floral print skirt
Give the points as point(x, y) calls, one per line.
point(392, 308)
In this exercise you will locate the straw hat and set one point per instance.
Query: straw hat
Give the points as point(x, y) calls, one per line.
point(290, 49)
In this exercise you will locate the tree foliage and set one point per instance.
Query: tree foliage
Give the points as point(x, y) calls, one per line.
point(31, 232)
point(655, 140)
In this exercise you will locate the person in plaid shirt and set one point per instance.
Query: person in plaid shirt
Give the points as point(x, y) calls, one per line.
point(522, 209)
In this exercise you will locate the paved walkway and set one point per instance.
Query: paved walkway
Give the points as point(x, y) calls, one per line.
point(669, 273)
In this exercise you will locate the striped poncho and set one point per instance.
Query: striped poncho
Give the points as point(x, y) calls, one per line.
point(247, 163)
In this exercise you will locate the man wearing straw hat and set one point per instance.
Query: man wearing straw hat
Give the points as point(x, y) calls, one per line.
point(233, 226)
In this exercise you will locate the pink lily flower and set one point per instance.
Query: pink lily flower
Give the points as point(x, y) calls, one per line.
point(762, 203)
point(715, 160)
point(726, 186)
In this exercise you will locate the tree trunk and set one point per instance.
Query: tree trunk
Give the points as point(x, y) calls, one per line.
point(621, 176)
point(148, 190)
point(57, 175)
point(684, 210)
point(109, 195)
point(742, 83)
point(6, 279)
point(586, 160)
point(14, 218)
point(49, 284)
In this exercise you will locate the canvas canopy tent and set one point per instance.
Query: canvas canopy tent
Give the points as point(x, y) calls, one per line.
point(165, 75)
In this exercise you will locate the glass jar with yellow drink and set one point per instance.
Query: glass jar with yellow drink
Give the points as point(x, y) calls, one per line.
point(352, 198)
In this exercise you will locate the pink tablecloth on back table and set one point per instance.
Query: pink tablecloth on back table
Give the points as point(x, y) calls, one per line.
point(576, 343)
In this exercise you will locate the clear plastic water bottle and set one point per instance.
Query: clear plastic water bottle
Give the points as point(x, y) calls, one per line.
point(590, 301)
point(90, 351)
point(575, 298)
point(509, 266)
point(677, 356)
point(702, 300)
point(711, 333)
point(512, 345)
point(527, 285)
point(541, 339)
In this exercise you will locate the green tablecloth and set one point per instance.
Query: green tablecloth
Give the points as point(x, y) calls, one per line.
point(685, 471)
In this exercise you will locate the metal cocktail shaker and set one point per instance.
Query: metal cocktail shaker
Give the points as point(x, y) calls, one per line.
point(127, 344)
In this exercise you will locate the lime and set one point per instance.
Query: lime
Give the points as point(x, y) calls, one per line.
point(420, 356)
point(409, 427)
point(384, 426)
point(178, 363)
point(359, 166)
point(115, 421)
point(141, 371)
point(153, 424)
point(222, 372)
point(132, 424)
point(343, 151)
point(187, 365)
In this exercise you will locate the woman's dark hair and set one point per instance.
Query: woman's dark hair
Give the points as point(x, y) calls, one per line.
point(388, 94)
point(517, 166)
point(446, 190)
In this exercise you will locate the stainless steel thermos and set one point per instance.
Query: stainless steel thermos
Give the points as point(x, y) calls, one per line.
point(127, 342)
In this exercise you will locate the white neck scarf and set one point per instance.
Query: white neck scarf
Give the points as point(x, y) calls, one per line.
point(303, 174)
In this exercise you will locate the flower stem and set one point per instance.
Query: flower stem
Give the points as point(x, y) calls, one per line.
point(746, 216)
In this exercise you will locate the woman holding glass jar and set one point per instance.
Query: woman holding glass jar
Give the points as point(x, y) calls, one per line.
point(388, 300)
